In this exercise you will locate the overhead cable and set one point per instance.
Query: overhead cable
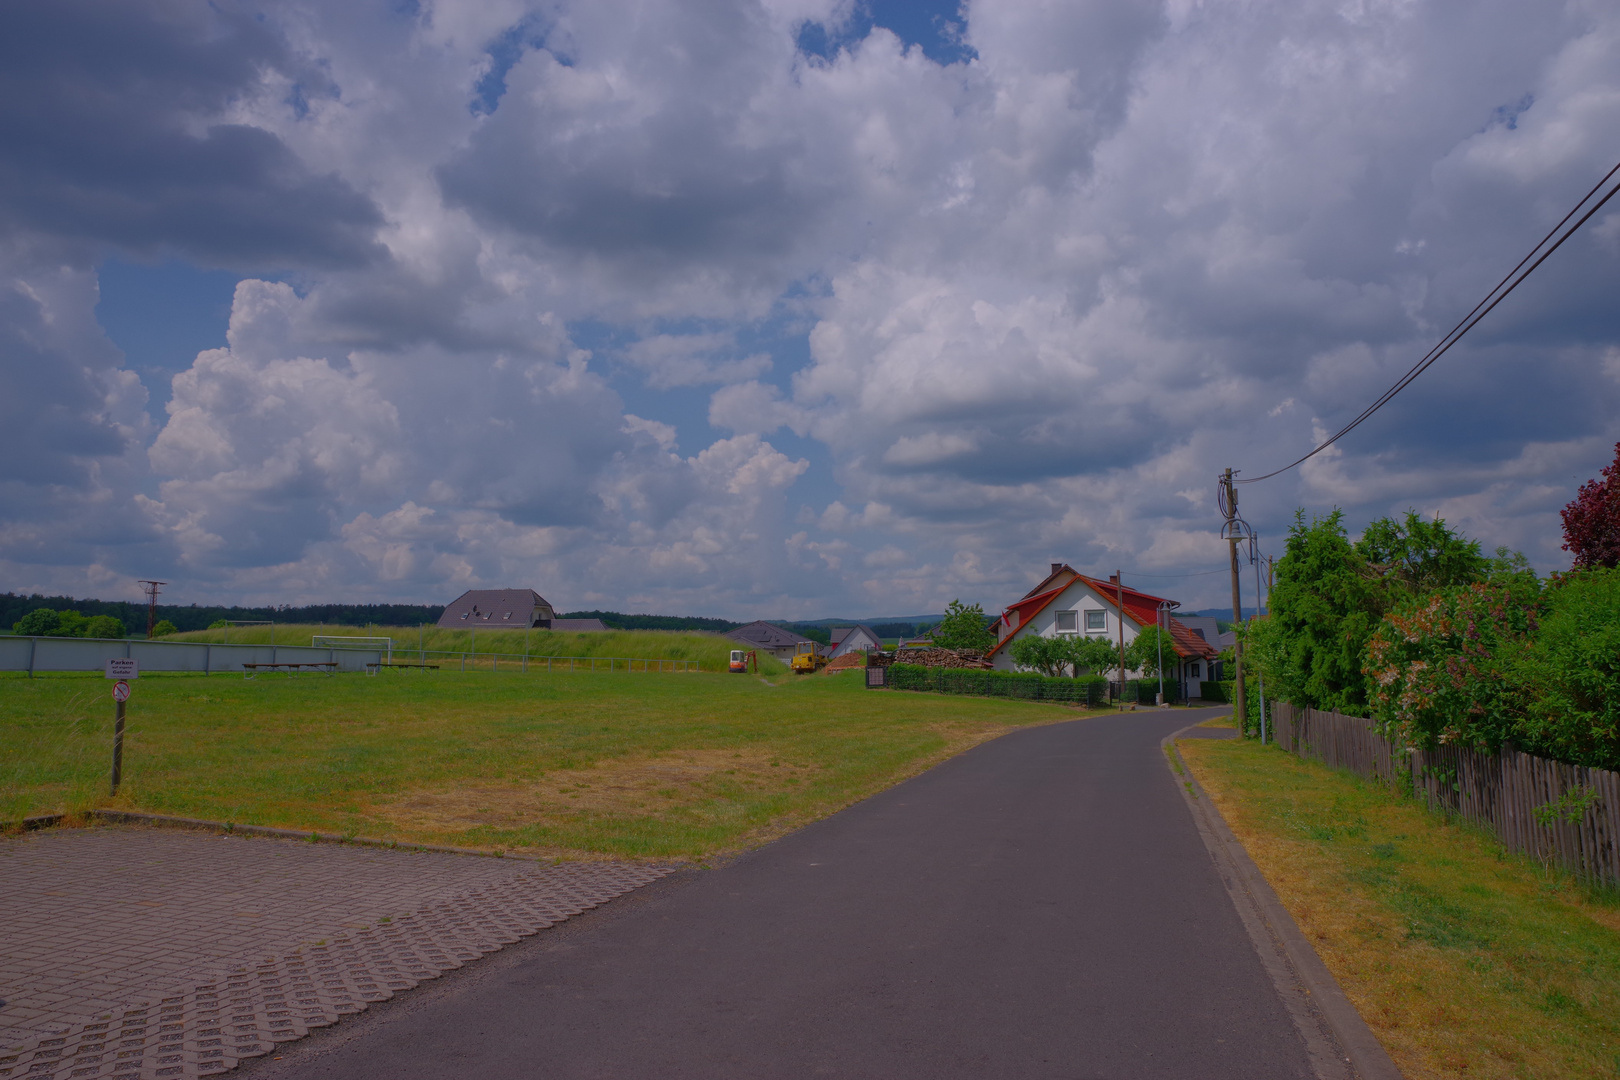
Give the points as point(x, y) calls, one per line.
point(1512, 281)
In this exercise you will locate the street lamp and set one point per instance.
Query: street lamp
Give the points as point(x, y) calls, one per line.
point(1165, 607)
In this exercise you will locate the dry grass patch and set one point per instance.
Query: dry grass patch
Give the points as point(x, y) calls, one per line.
point(618, 787)
point(1464, 961)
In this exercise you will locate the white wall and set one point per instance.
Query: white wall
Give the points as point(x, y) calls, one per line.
point(1078, 598)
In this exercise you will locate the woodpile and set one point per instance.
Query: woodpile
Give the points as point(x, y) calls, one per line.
point(937, 657)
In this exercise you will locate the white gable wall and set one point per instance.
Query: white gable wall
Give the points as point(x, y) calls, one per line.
point(856, 640)
point(1078, 598)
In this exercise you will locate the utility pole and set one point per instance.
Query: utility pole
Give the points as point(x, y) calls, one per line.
point(1234, 534)
point(151, 591)
point(1119, 590)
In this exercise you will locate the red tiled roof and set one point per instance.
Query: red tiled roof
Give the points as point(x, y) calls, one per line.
point(1142, 609)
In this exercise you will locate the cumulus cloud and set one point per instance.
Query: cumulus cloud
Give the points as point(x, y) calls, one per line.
point(1018, 306)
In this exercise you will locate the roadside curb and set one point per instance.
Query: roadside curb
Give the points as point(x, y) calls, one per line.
point(135, 817)
point(1274, 931)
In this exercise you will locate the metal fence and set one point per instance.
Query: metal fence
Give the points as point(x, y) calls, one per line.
point(1563, 815)
point(47, 654)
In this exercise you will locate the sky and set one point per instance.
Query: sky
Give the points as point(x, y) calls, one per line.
point(782, 308)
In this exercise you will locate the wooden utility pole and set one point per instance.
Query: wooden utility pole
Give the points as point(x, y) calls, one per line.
point(1119, 595)
point(1240, 713)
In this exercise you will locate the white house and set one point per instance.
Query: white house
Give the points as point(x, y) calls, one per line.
point(857, 638)
point(1068, 602)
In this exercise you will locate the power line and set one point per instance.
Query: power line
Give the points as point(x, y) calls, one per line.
point(1481, 309)
point(1195, 573)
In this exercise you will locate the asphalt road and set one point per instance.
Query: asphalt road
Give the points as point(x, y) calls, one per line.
point(1041, 906)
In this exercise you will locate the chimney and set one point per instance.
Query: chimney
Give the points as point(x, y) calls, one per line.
point(1113, 579)
point(1056, 567)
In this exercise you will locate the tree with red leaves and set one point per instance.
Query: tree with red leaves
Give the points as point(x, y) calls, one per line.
point(1592, 520)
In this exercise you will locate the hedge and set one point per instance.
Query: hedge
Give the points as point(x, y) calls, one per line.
point(1089, 689)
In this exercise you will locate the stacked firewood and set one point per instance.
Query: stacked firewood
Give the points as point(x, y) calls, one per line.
point(946, 658)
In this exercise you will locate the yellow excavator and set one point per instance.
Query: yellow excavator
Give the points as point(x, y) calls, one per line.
point(807, 659)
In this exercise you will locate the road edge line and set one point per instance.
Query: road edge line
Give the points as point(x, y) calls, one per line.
point(1272, 928)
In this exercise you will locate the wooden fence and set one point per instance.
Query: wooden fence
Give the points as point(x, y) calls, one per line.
point(1561, 815)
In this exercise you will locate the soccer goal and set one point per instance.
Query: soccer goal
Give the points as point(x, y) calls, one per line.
point(337, 641)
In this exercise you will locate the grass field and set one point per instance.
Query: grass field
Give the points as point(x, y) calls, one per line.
point(628, 765)
point(710, 650)
point(1464, 960)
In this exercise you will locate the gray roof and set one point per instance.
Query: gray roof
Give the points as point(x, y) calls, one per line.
point(575, 626)
point(764, 635)
point(484, 609)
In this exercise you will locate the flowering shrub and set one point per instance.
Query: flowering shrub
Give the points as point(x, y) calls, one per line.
point(1439, 666)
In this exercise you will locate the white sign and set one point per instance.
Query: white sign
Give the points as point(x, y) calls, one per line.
point(120, 690)
point(123, 668)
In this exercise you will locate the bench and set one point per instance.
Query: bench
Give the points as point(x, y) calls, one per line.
point(374, 666)
point(325, 667)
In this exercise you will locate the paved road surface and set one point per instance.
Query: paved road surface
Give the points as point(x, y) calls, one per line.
point(1041, 906)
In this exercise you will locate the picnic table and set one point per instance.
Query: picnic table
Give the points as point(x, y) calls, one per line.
point(325, 667)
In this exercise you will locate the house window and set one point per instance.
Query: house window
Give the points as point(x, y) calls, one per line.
point(1067, 622)
point(1095, 620)
point(1196, 671)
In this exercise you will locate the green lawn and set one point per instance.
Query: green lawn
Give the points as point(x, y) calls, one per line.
point(1464, 960)
point(627, 765)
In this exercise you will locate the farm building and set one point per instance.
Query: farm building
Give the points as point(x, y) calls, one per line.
point(577, 626)
point(482, 609)
point(764, 637)
point(857, 638)
point(1068, 602)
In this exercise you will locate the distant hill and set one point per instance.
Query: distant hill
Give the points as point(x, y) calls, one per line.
point(1221, 612)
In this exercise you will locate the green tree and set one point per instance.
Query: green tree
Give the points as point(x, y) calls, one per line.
point(103, 626)
point(72, 624)
point(1144, 652)
point(964, 627)
point(219, 624)
point(164, 628)
point(1330, 595)
point(1047, 655)
point(1568, 676)
point(1093, 654)
point(41, 622)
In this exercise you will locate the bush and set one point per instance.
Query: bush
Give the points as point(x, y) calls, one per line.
point(219, 624)
point(41, 622)
point(1438, 666)
point(1569, 673)
point(1146, 690)
point(1089, 689)
point(103, 626)
point(163, 628)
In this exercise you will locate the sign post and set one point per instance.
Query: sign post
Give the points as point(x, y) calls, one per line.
point(123, 670)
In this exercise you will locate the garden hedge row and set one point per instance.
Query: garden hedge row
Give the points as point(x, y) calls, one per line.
point(1088, 689)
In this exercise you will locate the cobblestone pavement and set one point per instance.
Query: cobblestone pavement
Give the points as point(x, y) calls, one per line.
point(135, 952)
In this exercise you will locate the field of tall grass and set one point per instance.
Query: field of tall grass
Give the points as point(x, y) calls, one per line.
point(711, 651)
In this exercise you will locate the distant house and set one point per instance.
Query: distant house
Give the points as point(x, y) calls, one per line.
point(857, 638)
point(577, 626)
point(762, 636)
point(1068, 602)
point(505, 609)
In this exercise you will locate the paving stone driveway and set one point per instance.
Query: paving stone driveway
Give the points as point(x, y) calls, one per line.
point(136, 952)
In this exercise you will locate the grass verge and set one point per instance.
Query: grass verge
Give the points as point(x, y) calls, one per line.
point(623, 765)
point(1463, 959)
